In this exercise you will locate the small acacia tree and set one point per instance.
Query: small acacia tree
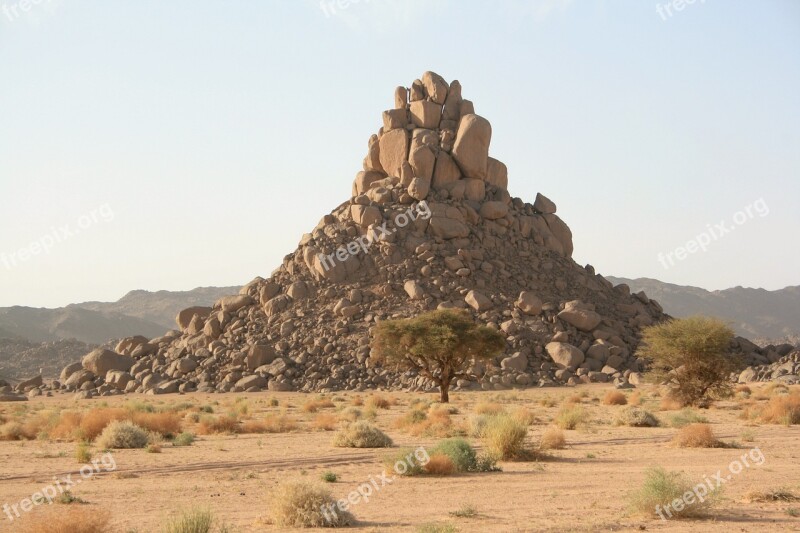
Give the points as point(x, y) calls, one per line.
point(691, 355)
point(440, 345)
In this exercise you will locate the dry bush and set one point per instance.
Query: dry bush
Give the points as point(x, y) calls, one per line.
point(660, 489)
point(218, 424)
point(696, 436)
point(351, 413)
point(357, 401)
point(571, 417)
point(743, 388)
point(434, 423)
point(94, 421)
point(547, 401)
point(782, 410)
point(361, 435)
point(314, 405)
point(302, 504)
point(552, 439)
point(325, 422)
point(636, 417)
point(52, 519)
point(193, 521)
point(165, 424)
point(12, 431)
point(504, 438)
point(123, 434)
point(615, 397)
point(272, 423)
point(486, 408)
point(524, 416)
point(376, 401)
point(670, 403)
point(440, 465)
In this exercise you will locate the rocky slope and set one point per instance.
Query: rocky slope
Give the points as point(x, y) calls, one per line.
point(429, 224)
point(20, 359)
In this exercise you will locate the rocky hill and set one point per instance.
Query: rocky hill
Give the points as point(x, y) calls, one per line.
point(766, 316)
point(20, 359)
point(158, 307)
point(93, 327)
point(429, 224)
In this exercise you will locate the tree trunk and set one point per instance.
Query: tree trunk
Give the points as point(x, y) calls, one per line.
point(444, 388)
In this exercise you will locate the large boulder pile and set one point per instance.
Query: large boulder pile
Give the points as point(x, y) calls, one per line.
point(429, 224)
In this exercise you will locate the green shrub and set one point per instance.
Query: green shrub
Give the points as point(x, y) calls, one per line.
point(636, 417)
point(686, 417)
point(504, 438)
point(329, 477)
point(660, 489)
point(122, 434)
point(183, 439)
point(361, 434)
point(571, 417)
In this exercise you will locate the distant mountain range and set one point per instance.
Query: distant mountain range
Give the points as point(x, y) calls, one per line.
point(33, 338)
point(757, 314)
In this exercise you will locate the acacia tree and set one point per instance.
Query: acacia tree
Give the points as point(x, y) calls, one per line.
point(440, 345)
point(692, 356)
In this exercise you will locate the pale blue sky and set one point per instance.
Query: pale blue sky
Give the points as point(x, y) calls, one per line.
point(217, 133)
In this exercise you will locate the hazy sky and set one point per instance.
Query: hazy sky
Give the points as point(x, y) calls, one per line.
point(167, 145)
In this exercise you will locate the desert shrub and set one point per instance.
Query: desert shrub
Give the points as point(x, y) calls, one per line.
point(574, 399)
point(325, 421)
point(165, 424)
point(477, 425)
point(636, 417)
point(660, 489)
point(686, 417)
point(194, 521)
point(415, 416)
point(504, 438)
point(302, 504)
point(460, 453)
point(51, 519)
point(153, 447)
point(403, 462)
point(782, 410)
point(614, 397)
point(94, 421)
point(571, 417)
point(547, 401)
point(436, 422)
point(696, 436)
point(357, 401)
point(329, 477)
point(524, 416)
point(670, 403)
point(83, 453)
point(485, 408)
point(377, 401)
point(552, 439)
point(12, 431)
point(183, 439)
point(312, 406)
point(218, 424)
point(123, 435)
point(691, 356)
point(440, 465)
point(361, 435)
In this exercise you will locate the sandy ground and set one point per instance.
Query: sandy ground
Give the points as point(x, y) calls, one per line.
point(582, 488)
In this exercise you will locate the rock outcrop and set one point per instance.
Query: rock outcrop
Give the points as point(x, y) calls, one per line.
point(429, 224)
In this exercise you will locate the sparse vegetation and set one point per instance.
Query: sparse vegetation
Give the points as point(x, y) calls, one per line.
point(505, 438)
point(50, 519)
point(636, 417)
point(686, 417)
point(691, 355)
point(301, 504)
point(361, 434)
point(614, 397)
point(660, 489)
point(696, 436)
point(123, 434)
point(329, 477)
point(552, 439)
point(571, 417)
point(439, 345)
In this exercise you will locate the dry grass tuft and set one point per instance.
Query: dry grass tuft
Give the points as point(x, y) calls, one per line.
point(670, 403)
point(361, 434)
point(302, 504)
point(571, 417)
point(376, 401)
point(636, 417)
point(552, 439)
point(524, 416)
point(440, 465)
point(774, 495)
point(485, 408)
point(505, 438)
point(218, 424)
point(635, 398)
point(660, 489)
point(782, 410)
point(72, 519)
point(312, 406)
point(615, 397)
point(272, 423)
point(696, 436)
